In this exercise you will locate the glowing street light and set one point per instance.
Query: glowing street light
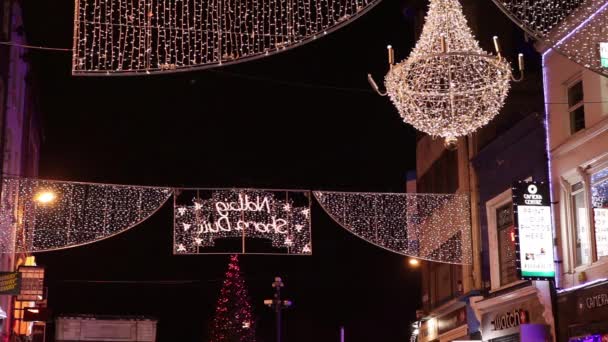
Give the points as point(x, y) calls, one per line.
point(414, 262)
point(45, 197)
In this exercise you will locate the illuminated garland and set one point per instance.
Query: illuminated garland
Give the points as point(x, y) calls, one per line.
point(146, 36)
point(574, 28)
point(41, 215)
point(448, 86)
point(426, 226)
point(203, 216)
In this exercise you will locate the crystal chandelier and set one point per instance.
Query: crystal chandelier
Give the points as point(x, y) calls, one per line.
point(448, 86)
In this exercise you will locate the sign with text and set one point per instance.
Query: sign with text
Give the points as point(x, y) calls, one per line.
point(210, 221)
point(10, 283)
point(32, 283)
point(604, 54)
point(533, 231)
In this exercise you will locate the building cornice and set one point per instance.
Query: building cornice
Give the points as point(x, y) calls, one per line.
point(580, 138)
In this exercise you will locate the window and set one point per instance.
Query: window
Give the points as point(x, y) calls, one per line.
point(581, 231)
point(506, 244)
point(599, 201)
point(576, 107)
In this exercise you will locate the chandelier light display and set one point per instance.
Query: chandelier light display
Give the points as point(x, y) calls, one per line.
point(448, 86)
point(575, 28)
point(146, 36)
point(40, 215)
point(433, 227)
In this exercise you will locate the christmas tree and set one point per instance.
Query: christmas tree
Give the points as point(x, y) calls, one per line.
point(233, 321)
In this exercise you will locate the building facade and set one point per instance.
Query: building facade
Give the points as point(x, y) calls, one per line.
point(510, 309)
point(20, 133)
point(577, 129)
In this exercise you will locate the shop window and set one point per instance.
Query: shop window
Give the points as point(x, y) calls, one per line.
point(599, 201)
point(576, 107)
point(581, 231)
point(506, 244)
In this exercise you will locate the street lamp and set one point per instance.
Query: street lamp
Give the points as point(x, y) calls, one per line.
point(45, 197)
point(278, 304)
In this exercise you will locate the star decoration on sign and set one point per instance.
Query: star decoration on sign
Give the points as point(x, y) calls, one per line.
point(287, 207)
point(181, 211)
point(198, 241)
point(197, 206)
point(299, 227)
point(306, 213)
point(181, 248)
point(288, 241)
point(306, 249)
point(186, 226)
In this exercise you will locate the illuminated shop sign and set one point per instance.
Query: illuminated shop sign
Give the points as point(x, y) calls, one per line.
point(604, 54)
point(533, 233)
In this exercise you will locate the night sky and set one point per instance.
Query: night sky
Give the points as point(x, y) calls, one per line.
point(303, 119)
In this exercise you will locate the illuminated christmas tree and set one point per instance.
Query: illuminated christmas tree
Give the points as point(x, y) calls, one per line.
point(233, 321)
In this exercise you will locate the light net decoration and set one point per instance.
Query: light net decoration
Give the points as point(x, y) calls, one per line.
point(41, 215)
point(219, 221)
point(575, 28)
point(448, 86)
point(433, 227)
point(146, 36)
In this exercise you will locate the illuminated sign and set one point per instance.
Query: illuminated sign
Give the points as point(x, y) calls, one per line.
point(604, 54)
point(242, 221)
point(32, 283)
point(10, 283)
point(534, 233)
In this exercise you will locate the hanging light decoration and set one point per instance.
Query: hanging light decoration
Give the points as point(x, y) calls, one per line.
point(575, 28)
point(449, 86)
point(126, 37)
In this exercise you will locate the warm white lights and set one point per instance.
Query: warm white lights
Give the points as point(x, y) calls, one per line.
point(423, 226)
point(414, 262)
point(205, 216)
point(147, 36)
point(448, 86)
point(575, 28)
point(45, 197)
point(73, 213)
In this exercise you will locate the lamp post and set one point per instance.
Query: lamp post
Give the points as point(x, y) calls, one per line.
point(278, 304)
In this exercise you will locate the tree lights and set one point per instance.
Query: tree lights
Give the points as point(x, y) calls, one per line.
point(575, 28)
point(153, 36)
point(233, 320)
point(448, 86)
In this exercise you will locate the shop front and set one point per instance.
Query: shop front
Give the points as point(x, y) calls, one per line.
point(446, 327)
point(514, 316)
point(583, 313)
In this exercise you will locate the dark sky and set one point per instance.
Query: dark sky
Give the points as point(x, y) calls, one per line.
point(258, 124)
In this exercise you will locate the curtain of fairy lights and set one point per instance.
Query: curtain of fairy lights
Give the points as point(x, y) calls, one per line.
point(576, 28)
point(434, 227)
point(40, 215)
point(134, 36)
point(217, 221)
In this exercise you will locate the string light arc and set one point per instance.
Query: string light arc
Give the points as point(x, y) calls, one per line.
point(124, 37)
point(73, 217)
point(573, 28)
point(415, 223)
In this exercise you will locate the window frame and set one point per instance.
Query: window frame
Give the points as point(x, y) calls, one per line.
point(492, 205)
point(574, 107)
